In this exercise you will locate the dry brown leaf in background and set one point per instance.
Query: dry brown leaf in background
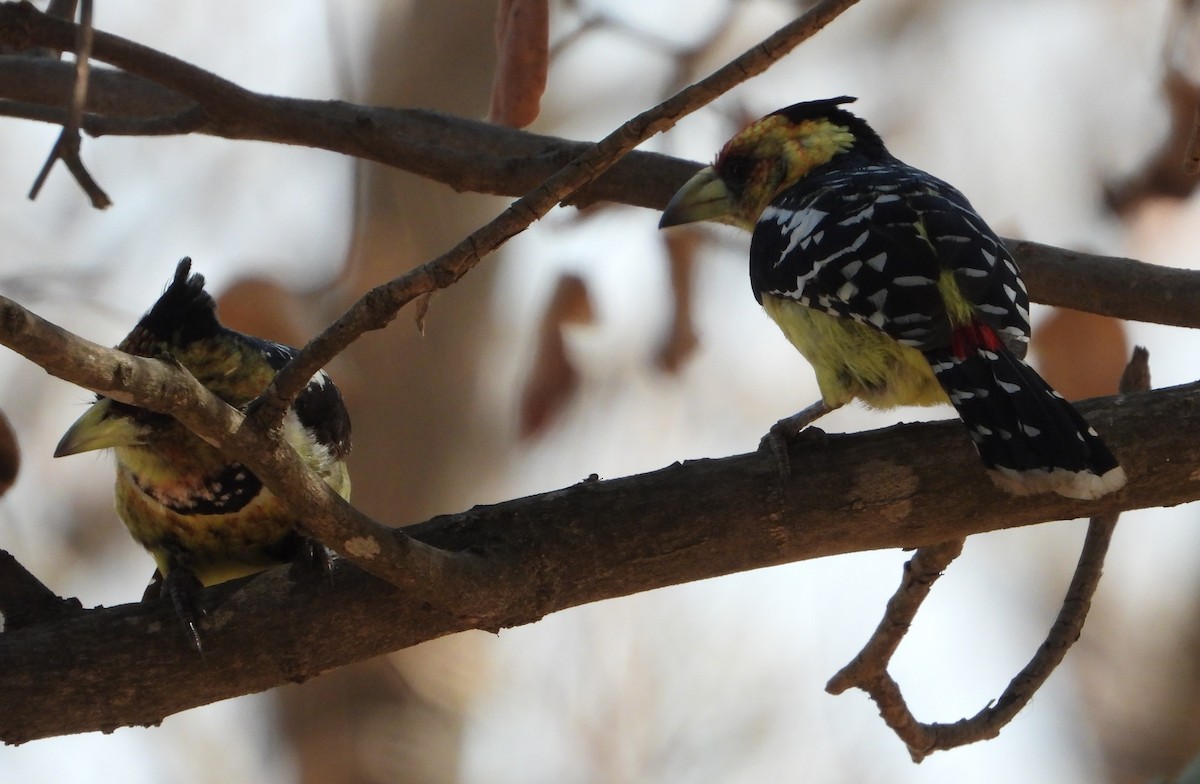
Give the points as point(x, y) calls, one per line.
point(262, 308)
point(553, 379)
point(421, 310)
point(522, 60)
point(10, 455)
point(571, 303)
point(1170, 170)
point(681, 340)
point(1081, 353)
point(1136, 377)
point(1165, 173)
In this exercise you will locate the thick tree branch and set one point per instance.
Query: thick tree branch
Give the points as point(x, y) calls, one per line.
point(1109, 285)
point(905, 486)
point(26, 600)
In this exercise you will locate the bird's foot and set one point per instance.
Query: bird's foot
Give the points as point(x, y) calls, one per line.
point(777, 440)
point(184, 590)
point(313, 557)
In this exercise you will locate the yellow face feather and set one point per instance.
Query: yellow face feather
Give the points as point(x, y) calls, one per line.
point(754, 167)
point(773, 154)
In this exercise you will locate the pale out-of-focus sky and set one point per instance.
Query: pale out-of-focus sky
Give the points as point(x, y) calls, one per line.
point(1026, 106)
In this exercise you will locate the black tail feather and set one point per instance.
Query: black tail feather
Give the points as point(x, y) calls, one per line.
point(1028, 436)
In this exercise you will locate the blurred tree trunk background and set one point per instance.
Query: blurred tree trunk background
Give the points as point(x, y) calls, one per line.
point(420, 445)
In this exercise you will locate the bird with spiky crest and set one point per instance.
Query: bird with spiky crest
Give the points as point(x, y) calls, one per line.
point(204, 518)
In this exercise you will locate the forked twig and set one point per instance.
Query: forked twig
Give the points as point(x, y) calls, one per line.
point(920, 573)
point(66, 148)
point(868, 670)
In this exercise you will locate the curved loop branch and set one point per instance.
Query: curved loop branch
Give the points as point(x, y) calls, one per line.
point(869, 666)
point(868, 670)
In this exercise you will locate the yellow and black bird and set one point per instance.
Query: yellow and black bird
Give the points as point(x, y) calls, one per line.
point(204, 518)
point(895, 290)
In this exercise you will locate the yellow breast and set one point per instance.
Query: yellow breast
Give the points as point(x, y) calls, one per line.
point(853, 360)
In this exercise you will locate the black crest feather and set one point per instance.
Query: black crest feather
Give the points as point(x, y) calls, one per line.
point(184, 313)
point(867, 142)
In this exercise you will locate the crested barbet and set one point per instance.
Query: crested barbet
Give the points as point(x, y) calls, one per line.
point(204, 517)
point(895, 290)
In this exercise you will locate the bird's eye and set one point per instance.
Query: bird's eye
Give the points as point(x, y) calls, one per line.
point(736, 168)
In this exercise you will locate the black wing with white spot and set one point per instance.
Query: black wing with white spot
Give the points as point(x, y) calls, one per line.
point(319, 406)
point(320, 409)
point(871, 244)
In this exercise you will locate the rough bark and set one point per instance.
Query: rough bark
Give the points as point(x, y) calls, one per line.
point(905, 486)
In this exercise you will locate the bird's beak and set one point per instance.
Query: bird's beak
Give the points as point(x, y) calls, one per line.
point(704, 197)
point(99, 428)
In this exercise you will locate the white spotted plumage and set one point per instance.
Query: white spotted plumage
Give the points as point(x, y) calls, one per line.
point(904, 259)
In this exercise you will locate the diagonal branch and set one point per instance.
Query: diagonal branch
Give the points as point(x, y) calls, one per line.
point(380, 305)
point(168, 388)
point(256, 440)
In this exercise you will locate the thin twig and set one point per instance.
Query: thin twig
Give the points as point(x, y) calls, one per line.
point(920, 573)
point(66, 148)
point(868, 671)
point(185, 121)
point(1191, 162)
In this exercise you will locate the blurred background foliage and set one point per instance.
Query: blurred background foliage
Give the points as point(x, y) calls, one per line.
point(591, 346)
